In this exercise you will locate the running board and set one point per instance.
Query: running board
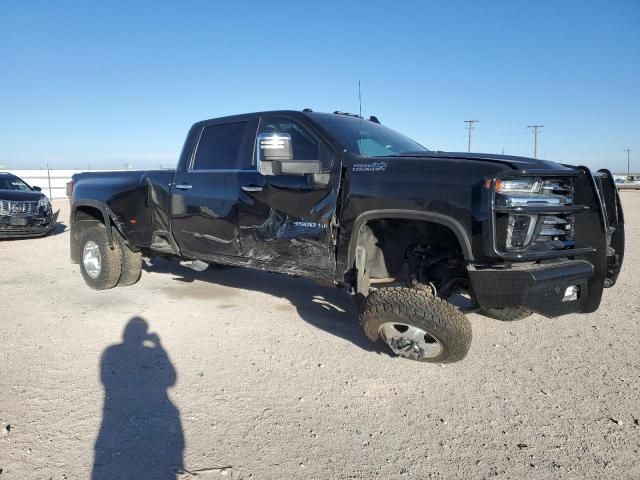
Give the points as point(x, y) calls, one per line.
point(197, 265)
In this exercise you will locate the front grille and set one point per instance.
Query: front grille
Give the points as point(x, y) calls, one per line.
point(557, 231)
point(537, 222)
point(18, 209)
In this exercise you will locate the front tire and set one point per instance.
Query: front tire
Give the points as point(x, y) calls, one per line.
point(416, 325)
point(100, 265)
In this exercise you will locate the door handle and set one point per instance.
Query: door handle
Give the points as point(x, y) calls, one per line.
point(251, 188)
point(184, 186)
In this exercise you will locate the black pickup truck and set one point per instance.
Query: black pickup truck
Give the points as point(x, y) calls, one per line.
point(410, 232)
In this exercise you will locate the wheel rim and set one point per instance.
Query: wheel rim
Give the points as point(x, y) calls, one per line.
point(410, 342)
point(91, 259)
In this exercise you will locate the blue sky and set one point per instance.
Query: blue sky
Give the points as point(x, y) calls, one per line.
point(108, 83)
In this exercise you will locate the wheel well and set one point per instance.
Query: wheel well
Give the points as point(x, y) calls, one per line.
point(405, 250)
point(85, 216)
point(87, 213)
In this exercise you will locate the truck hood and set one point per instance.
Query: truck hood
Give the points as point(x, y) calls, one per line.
point(20, 195)
point(517, 163)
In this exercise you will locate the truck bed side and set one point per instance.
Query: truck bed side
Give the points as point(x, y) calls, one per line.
point(138, 203)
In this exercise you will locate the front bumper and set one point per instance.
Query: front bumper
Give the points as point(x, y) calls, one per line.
point(22, 227)
point(539, 288)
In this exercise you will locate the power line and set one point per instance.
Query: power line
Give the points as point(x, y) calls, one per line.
point(535, 138)
point(470, 127)
point(628, 150)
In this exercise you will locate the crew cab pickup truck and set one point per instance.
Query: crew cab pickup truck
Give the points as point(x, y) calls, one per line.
point(409, 232)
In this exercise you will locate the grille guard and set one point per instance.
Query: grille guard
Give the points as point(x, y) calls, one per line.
point(613, 218)
point(599, 231)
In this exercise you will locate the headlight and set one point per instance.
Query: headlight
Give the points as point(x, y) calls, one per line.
point(520, 185)
point(532, 191)
point(43, 203)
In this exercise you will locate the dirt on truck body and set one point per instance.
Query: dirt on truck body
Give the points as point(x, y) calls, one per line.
point(351, 203)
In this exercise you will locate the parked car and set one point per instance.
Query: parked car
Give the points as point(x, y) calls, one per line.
point(24, 210)
point(628, 184)
point(354, 204)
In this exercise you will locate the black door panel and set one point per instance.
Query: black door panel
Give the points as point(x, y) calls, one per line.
point(207, 223)
point(281, 223)
point(295, 232)
point(206, 203)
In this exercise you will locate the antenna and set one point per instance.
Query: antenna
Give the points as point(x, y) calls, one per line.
point(360, 115)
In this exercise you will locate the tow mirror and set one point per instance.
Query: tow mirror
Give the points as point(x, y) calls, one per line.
point(274, 147)
point(275, 156)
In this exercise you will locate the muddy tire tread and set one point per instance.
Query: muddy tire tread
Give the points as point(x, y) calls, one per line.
point(131, 262)
point(111, 258)
point(423, 310)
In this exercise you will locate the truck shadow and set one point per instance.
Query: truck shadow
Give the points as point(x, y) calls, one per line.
point(329, 309)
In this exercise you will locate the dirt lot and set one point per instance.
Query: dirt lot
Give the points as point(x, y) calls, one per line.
point(251, 375)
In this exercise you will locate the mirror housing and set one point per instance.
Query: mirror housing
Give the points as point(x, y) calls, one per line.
point(296, 167)
point(274, 147)
point(275, 156)
point(37, 189)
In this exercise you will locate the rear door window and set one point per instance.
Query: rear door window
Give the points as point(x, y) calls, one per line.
point(221, 147)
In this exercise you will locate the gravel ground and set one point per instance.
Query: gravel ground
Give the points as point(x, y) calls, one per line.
point(243, 374)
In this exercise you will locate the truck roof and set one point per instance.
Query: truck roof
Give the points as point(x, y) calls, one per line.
point(307, 112)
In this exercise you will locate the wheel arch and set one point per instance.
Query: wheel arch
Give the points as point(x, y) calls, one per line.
point(88, 211)
point(451, 223)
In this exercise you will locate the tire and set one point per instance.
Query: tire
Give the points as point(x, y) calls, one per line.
point(131, 261)
point(506, 314)
point(448, 331)
point(106, 272)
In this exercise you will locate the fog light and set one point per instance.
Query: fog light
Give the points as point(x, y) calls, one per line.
point(571, 293)
point(520, 231)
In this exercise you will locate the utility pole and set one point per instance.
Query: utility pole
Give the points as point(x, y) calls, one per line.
point(470, 127)
point(628, 150)
point(535, 138)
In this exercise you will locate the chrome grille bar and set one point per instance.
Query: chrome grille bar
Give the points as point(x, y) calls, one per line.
point(18, 209)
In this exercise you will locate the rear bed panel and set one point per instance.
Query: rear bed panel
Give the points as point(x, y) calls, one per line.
point(137, 202)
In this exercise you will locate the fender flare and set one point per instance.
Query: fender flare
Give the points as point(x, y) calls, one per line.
point(449, 222)
point(104, 210)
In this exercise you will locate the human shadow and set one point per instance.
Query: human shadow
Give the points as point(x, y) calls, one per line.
point(326, 308)
point(141, 434)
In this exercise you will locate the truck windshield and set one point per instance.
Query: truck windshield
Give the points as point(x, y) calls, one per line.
point(9, 182)
point(364, 137)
